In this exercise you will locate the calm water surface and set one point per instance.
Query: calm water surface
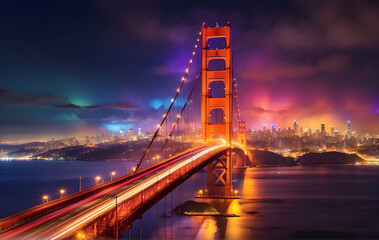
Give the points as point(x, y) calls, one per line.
point(283, 202)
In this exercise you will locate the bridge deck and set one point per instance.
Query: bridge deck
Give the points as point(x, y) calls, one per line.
point(66, 221)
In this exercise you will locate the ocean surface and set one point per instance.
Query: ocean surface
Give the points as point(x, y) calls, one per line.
point(277, 202)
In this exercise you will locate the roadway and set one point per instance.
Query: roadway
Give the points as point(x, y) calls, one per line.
point(66, 221)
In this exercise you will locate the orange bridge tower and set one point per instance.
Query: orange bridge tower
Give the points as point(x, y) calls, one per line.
point(219, 173)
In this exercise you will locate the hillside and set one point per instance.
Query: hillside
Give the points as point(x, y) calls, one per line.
point(329, 158)
point(267, 158)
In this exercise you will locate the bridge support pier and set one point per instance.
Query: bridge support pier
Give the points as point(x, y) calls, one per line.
point(219, 178)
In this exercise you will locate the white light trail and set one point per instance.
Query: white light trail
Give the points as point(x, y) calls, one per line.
point(91, 214)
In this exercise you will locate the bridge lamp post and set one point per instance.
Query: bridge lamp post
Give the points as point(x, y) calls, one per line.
point(112, 175)
point(45, 198)
point(81, 235)
point(201, 192)
point(62, 191)
point(97, 179)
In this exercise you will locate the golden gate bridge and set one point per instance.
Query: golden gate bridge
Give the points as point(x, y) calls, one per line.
point(110, 208)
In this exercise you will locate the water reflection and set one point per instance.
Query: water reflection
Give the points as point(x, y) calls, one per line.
point(286, 203)
point(208, 230)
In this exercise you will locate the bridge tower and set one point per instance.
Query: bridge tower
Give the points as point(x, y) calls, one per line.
point(242, 134)
point(219, 173)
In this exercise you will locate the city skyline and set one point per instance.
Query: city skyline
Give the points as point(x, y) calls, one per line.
point(327, 128)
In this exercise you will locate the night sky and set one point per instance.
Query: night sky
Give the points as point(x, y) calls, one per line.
point(71, 68)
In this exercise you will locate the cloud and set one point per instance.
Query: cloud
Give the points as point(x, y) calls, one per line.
point(157, 103)
point(272, 71)
point(327, 24)
point(10, 97)
point(155, 30)
point(66, 106)
point(115, 126)
point(117, 105)
point(67, 117)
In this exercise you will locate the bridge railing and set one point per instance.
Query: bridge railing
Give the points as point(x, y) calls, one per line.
point(130, 208)
point(27, 215)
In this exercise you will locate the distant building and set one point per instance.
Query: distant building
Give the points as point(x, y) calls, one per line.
point(348, 130)
point(296, 127)
point(122, 135)
point(130, 134)
point(332, 131)
point(335, 133)
point(113, 138)
point(323, 129)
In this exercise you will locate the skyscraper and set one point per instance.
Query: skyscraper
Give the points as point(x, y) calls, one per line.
point(322, 128)
point(348, 130)
point(130, 134)
point(332, 131)
point(296, 127)
point(122, 135)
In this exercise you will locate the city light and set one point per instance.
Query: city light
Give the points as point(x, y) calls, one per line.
point(45, 198)
point(112, 175)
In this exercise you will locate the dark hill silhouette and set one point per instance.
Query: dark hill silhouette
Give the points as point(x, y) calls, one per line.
point(329, 158)
point(267, 158)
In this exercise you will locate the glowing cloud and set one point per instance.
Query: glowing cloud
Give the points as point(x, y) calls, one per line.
point(115, 126)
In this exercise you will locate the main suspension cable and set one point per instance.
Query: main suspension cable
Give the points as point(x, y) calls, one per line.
point(181, 113)
point(172, 103)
